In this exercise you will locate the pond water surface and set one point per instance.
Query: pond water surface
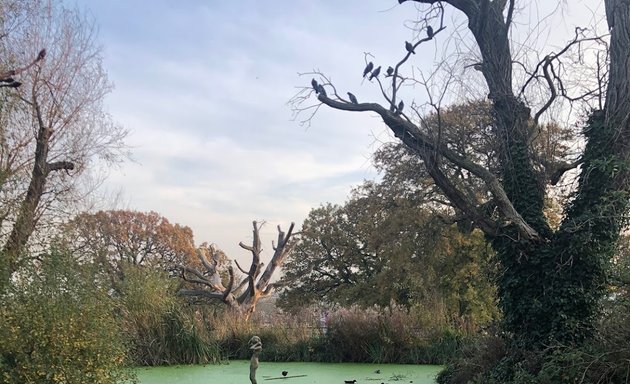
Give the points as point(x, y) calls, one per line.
point(237, 372)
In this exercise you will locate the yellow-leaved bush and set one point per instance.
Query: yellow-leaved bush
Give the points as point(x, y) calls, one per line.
point(57, 325)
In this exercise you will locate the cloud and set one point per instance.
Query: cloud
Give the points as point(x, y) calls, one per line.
point(203, 88)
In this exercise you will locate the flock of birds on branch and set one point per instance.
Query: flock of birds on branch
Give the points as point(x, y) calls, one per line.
point(374, 73)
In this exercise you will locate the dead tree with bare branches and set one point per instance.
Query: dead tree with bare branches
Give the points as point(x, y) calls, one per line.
point(552, 280)
point(255, 284)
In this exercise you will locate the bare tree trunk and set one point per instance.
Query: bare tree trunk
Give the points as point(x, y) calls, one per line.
point(27, 219)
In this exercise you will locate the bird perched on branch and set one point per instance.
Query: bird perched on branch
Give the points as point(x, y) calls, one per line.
point(10, 83)
point(390, 71)
point(409, 47)
point(353, 98)
point(368, 68)
point(401, 105)
point(41, 55)
point(375, 73)
point(322, 91)
point(430, 31)
point(315, 85)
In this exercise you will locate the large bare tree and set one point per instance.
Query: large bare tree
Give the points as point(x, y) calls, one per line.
point(255, 284)
point(553, 279)
point(52, 124)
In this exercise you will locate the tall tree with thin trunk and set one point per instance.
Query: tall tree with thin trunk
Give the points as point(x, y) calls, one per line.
point(552, 280)
point(52, 124)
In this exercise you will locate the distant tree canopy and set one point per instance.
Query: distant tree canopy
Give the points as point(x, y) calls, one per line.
point(120, 237)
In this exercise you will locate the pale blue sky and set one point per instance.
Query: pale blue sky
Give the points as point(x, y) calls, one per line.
point(203, 88)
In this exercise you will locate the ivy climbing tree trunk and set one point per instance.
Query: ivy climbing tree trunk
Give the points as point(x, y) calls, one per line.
point(552, 282)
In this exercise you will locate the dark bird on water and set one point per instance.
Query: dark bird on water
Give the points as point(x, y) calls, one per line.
point(401, 105)
point(375, 73)
point(353, 98)
point(409, 47)
point(285, 373)
point(368, 69)
point(390, 71)
point(430, 31)
point(349, 381)
point(377, 371)
point(315, 85)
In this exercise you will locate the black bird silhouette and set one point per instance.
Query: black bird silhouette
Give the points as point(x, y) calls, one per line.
point(13, 84)
point(375, 73)
point(349, 381)
point(321, 89)
point(409, 47)
point(315, 85)
point(368, 68)
point(401, 105)
point(353, 98)
point(390, 71)
point(430, 31)
point(377, 371)
point(285, 373)
point(41, 54)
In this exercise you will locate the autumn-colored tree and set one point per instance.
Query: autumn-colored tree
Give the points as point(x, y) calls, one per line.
point(120, 237)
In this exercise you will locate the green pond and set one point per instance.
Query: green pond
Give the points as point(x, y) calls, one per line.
point(237, 372)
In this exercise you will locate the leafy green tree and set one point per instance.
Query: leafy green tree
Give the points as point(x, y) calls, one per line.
point(387, 246)
point(57, 325)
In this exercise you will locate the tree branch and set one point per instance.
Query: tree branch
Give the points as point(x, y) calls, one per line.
point(410, 133)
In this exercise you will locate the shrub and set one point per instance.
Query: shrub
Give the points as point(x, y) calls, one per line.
point(57, 326)
point(161, 329)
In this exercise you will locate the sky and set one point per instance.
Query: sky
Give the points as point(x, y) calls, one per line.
point(203, 88)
